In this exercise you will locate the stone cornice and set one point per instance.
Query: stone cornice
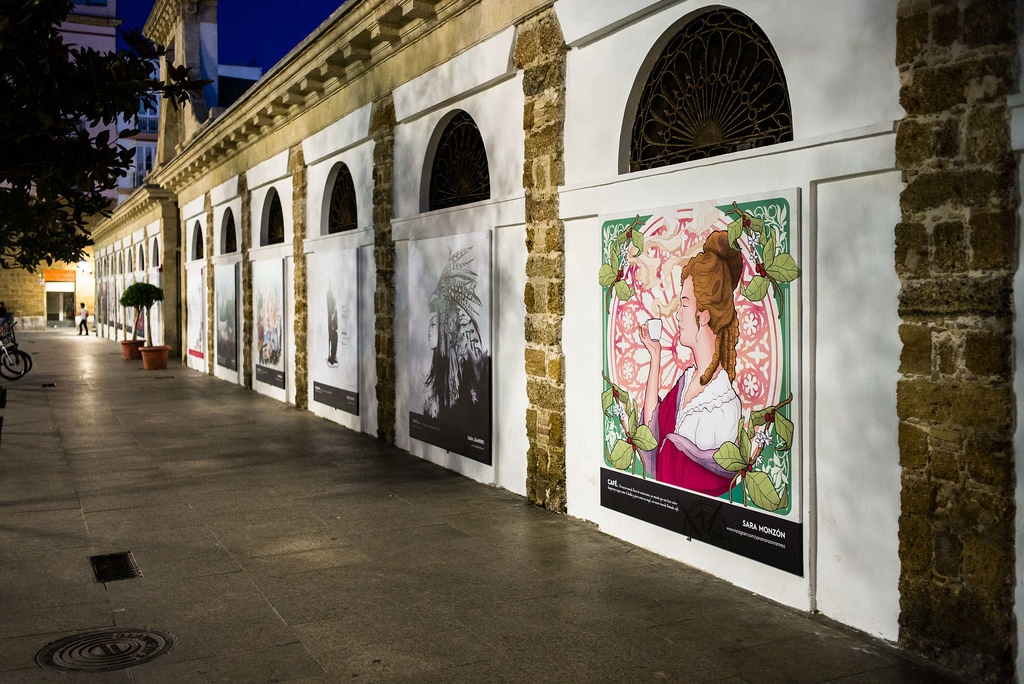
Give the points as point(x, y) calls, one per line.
point(163, 18)
point(141, 202)
point(357, 37)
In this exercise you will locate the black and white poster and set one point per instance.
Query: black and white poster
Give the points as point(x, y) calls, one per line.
point(333, 329)
point(450, 343)
point(226, 286)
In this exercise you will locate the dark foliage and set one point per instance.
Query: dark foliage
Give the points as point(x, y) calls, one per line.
point(55, 160)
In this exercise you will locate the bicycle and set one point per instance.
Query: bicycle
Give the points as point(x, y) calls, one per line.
point(14, 363)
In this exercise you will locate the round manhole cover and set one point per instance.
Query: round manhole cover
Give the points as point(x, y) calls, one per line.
point(104, 650)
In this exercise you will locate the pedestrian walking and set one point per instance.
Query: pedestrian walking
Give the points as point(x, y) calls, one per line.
point(84, 323)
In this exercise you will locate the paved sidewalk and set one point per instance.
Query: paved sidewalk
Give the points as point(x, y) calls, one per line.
point(278, 547)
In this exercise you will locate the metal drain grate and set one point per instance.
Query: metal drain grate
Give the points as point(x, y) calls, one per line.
point(115, 566)
point(104, 650)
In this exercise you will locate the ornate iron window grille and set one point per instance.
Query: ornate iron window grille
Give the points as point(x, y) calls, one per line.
point(230, 238)
point(717, 87)
point(275, 221)
point(459, 172)
point(342, 215)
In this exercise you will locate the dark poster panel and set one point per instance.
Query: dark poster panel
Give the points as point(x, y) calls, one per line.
point(768, 539)
point(450, 343)
point(270, 376)
point(335, 397)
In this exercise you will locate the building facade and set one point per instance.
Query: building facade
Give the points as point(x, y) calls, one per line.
point(461, 226)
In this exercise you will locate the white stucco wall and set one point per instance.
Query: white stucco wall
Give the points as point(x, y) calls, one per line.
point(484, 83)
point(840, 162)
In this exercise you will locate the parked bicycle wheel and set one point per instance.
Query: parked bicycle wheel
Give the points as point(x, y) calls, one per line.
point(15, 364)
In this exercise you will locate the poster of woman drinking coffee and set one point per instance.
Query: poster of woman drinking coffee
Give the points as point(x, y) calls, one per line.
point(700, 315)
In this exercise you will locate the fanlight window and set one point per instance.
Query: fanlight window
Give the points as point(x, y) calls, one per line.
point(273, 221)
point(142, 258)
point(459, 173)
point(342, 213)
point(230, 243)
point(155, 253)
point(717, 87)
point(131, 260)
point(197, 242)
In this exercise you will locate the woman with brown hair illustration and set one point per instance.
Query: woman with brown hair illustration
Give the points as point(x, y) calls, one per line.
point(702, 410)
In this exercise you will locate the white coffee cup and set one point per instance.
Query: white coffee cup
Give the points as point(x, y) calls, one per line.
point(654, 328)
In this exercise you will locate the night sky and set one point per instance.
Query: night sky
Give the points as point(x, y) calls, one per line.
point(256, 32)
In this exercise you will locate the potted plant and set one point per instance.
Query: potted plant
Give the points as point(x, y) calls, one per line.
point(142, 296)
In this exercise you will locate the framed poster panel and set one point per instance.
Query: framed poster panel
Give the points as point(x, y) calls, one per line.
point(225, 277)
point(268, 303)
point(333, 328)
point(450, 343)
point(197, 313)
point(699, 363)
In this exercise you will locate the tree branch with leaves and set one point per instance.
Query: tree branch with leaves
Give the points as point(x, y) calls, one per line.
point(57, 103)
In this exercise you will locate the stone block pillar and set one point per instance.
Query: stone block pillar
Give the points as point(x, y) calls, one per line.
point(540, 53)
point(297, 167)
point(382, 128)
point(245, 226)
point(956, 254)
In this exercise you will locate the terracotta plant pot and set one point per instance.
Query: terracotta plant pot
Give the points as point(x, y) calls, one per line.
point(130, 349)
point(155, 358)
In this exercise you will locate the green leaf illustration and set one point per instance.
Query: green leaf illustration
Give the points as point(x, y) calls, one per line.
point(784, 269)
point(762, 491)
point(784, 499)
point(621, 455)
point(632, 421)
point(638, 241)
point(606, 276)
point(623, 291)
point(620, 239)
point(744, 445)
point(784, 429)
point(757, 289)
point(729, 457)
point(735, 231)
point(607, 399)
point(643, 438)
point(757, 417)
point(768, 252)
point(613, 253)
point(756, 225)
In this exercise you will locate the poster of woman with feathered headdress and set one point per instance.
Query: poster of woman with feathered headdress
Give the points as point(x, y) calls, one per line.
point(450, 343)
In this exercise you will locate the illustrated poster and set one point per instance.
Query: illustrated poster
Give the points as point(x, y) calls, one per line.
point(450, 343)
point(226, 290)
point(268, 300)
point(197, 313)
point(333, 329)
point(698, 377)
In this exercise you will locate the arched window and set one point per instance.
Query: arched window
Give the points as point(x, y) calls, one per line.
point(131, 259)
point(341, 214)
point(120, 264)
point(154, 253)
point(716, 87)
point(272, 231)
point(142, 258)
point(229, 243)
point(197, 242)
point(459, 172)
